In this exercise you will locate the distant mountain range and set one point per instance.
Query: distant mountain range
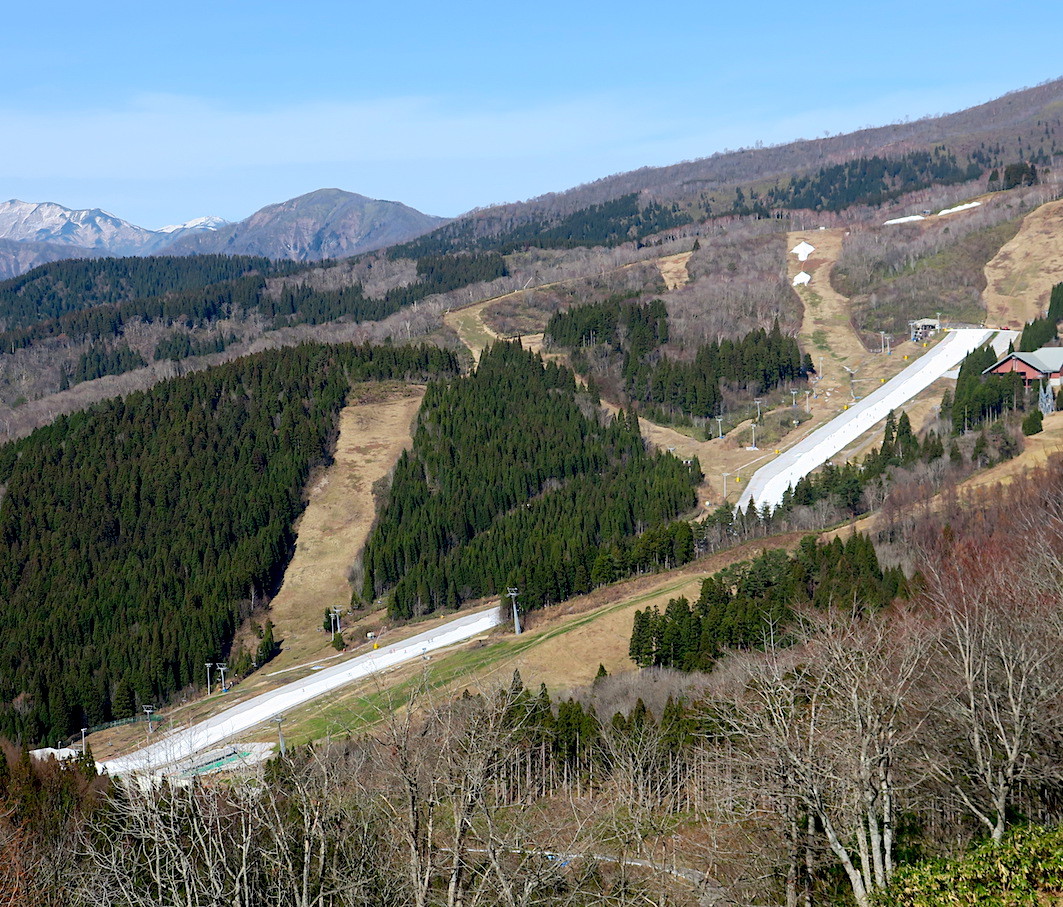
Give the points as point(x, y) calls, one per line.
point(328, 223)
point(92, 229)
point(1024, 125)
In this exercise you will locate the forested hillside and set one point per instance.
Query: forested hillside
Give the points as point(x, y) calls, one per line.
point(609, 223)
point(135, 534)
point(622, 335)
point(515, 479)
point(742, 606)
point(887, 754)
point(203, 304)
point(52, 290)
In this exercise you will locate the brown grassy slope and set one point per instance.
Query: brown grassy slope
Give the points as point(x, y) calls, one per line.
point(562, 659)
point(1021, 275)
point(674, 270)
point(374, 429)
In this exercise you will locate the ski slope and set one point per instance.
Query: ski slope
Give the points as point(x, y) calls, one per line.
point(180, 745)
point(769, 483)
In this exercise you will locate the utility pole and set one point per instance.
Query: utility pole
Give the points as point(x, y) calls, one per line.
point(209, 665)
point(725, 475)
point(223, 669)
point(808, 405)
point(758, 402)
point(793, 397)
point(512, 593)
point(335, 612)
point(148, 709)
point(83, 730)
point(753, 446)
point(719, 424)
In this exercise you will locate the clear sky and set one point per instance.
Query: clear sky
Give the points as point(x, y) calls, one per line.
point(161, 112)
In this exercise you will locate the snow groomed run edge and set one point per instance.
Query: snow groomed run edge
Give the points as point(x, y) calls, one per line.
point(769, 483)
point(180, 746)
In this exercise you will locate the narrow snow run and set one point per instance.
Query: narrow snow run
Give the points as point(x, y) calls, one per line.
point(180, 745)
point(967, 207)
point(769, 483)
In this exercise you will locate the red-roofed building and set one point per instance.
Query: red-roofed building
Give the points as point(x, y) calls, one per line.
point(1045, 364)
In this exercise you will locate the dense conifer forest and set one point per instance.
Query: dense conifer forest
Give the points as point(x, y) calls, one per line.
point(52, 290)
point(181, 345)
point(609, 223)
point(1044, 331)
point(98, 361)
point(134, 533)
point(516, 479)
point(201, 304)
point(982, 398)
point(872, 180)
point(745, 604)
point(634, 334)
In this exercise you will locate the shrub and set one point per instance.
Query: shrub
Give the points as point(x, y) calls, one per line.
point(1024, 867)
point(1033, 422)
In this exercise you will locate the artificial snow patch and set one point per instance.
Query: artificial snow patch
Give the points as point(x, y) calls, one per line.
point(802, 278)
point(802, 250)
point(958, 208)
point(904, 220)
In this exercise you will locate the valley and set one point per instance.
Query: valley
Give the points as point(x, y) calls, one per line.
point(794, 703)
point(340, 509)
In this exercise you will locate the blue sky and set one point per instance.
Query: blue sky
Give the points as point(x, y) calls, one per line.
point(165, 112)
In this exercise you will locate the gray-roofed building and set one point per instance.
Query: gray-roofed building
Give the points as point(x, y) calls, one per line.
point(1045, 364)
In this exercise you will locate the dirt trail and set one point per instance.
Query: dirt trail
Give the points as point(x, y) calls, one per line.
point(826, 331)
point(468, 323)
point(337, 519)
point(1020, 276)
point(673, 270)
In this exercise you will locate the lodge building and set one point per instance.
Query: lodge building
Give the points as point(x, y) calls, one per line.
point(1045, 364)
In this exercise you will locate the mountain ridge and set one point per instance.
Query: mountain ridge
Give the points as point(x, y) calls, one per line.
point(325, 223)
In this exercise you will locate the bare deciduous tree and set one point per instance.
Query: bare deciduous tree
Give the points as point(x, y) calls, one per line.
point(817, 729)
point(997, 677)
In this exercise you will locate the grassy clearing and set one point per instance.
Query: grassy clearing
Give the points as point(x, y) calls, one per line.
point(340, 511)
point(1020, 276)
point(562, 648)
point(673, 270)
point(469, 325)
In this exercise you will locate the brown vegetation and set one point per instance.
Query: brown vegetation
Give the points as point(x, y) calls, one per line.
point(374, 428)
point(1021, 275)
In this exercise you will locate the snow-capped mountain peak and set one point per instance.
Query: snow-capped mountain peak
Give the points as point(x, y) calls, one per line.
point(198, 223)
point(48, 222)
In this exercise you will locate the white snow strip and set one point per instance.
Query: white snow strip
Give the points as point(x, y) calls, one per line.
point(181, 744)
point(958, 208)
point(769, 483)
point(904, 220)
